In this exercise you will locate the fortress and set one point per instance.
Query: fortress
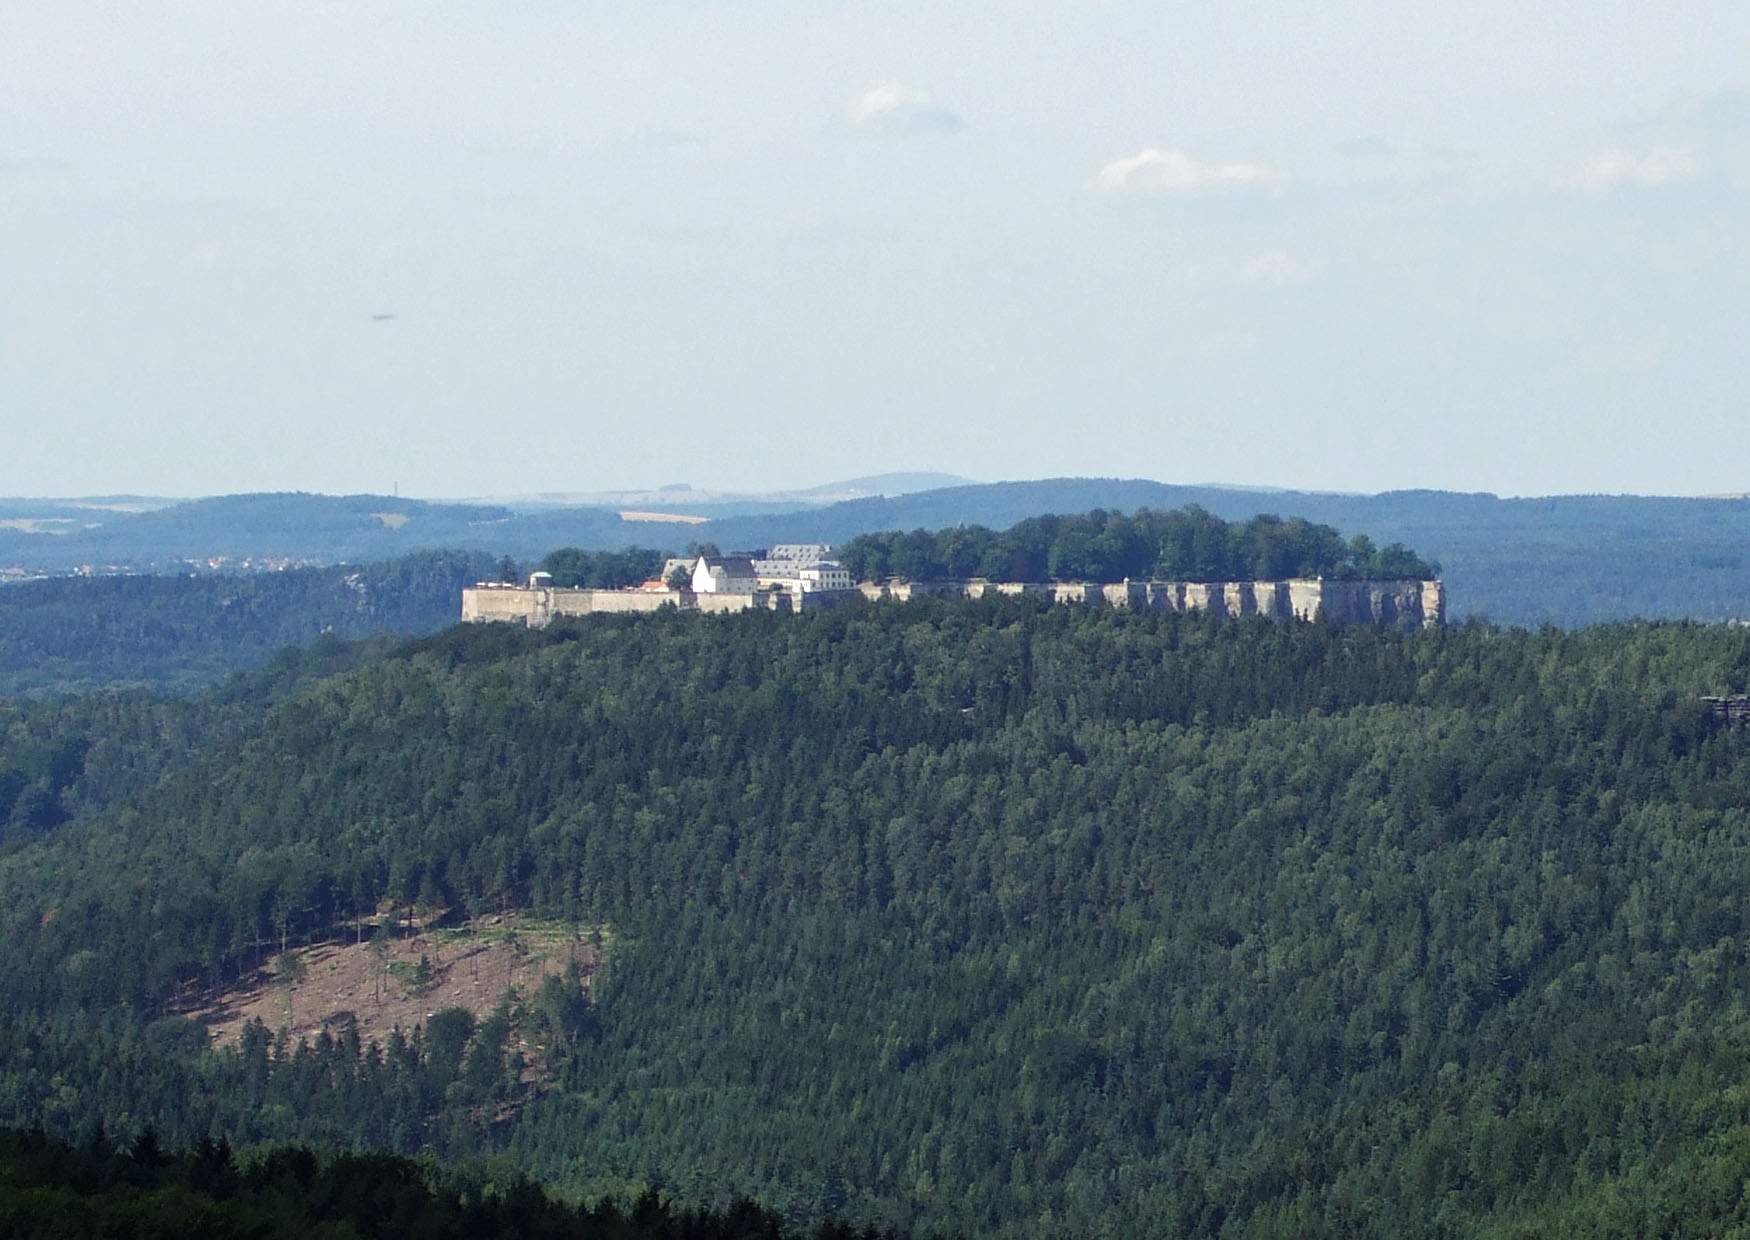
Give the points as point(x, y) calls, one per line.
point(741, 583)
point(1420, 604)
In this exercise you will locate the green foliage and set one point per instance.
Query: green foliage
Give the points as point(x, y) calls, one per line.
point(999, 917)
point(49, 1188)
point(602, 570)
point(181, 632)
point(1189, 544)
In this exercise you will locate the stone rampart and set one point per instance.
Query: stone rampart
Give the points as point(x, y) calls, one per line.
point(1356, 602)
point(539, 606)
point(1405, 603)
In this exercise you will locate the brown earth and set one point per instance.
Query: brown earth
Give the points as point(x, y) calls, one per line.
point(474, 966)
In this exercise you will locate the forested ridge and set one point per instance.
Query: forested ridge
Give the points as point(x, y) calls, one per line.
point(1571, 560)
point(992, 916)
point(1184, 544)
point(180, 632)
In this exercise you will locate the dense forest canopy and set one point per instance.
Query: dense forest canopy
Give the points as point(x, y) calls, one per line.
point(146, 1192)
point(1187, 544)
point(990, 916)
point(180, 632)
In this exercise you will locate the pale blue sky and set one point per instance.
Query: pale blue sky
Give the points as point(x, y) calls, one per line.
point(1355, 245)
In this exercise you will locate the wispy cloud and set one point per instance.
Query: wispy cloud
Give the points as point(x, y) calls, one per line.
point(905, 111)
point(1166, 171)
point(1625, 169)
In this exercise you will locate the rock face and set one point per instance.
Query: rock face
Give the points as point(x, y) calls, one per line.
point(1408, 603)
point(1415, 604)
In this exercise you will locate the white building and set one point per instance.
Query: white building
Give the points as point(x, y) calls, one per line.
point(802, 568)
point(824, 575)
point(725, 574)
point(787, 559)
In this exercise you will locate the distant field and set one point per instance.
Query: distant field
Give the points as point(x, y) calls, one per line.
point(669, 518)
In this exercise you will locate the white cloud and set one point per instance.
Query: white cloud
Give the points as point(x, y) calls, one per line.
point(1654, 169)
point(1278, 269)
point(903, 110)
point(1176, 172)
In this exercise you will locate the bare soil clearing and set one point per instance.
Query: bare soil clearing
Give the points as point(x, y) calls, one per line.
point(381, 985)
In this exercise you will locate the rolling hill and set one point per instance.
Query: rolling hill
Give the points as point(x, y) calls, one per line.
point(1567, 560)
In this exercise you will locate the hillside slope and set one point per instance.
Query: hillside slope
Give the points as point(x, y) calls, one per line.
point(992, 916)
point(179, 632)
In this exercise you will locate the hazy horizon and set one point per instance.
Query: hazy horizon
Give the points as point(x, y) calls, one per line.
point(719, 494)
point(503, 248)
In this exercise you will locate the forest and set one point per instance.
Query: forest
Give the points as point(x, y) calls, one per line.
point(980, 917)
point(179, 632)
point(145, 1192)
point(79, 634)
point(1186, 544)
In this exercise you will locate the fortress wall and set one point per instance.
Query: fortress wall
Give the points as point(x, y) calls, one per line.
point(616, 602)
point(1384, 602)
point(1407, 603)
point(481, 604)
point(540, 607)
point(1355, 602)
point(723, 604)
point(1305, 598)
point(1433, 603)
point(1202, 596)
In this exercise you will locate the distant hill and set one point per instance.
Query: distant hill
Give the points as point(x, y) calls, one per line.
point(322, 529)
point(888, 484)
point(683, 496)
point(1567, 560)
point(178, 632)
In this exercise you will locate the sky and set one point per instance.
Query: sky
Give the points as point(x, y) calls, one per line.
point(509, 246)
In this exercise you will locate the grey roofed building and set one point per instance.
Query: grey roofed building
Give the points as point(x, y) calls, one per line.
point(788, 559)
point(724, 574)
point(807, 553)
